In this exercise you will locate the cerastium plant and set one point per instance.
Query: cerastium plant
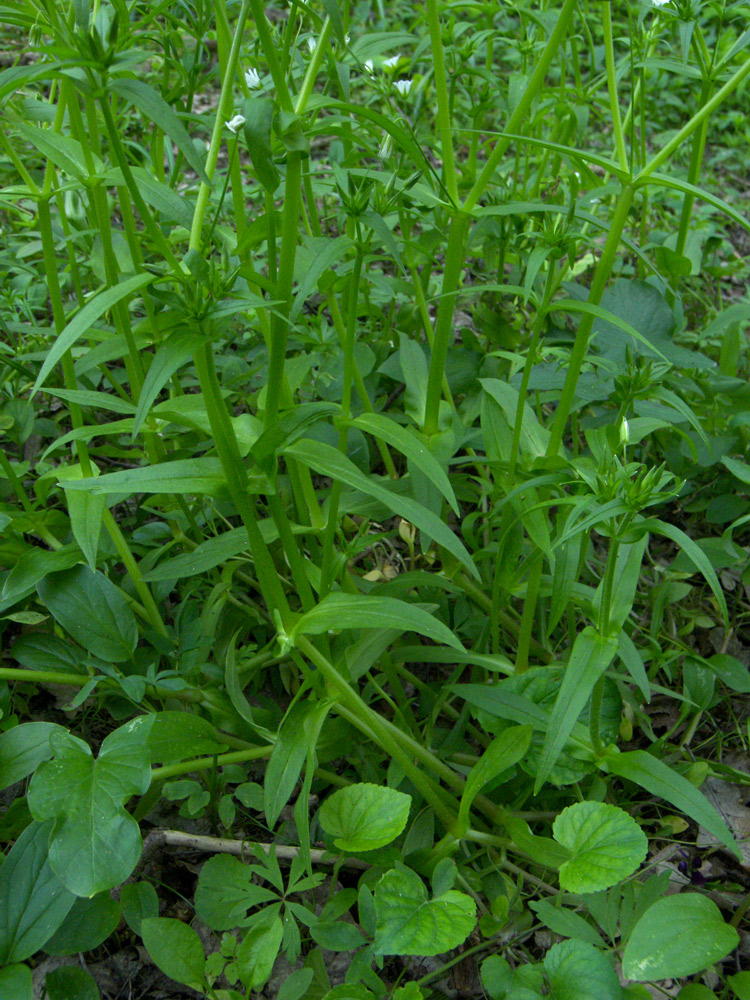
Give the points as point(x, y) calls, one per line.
point(346, 438)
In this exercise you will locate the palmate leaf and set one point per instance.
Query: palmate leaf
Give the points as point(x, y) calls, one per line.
point(96, 843)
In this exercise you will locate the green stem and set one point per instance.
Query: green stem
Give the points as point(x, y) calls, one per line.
point(236, 476)
point(280, 319)
point(269, 47)
point(443, 119)
point(454, 262)
point(580, 346)
point(222, 114)
point(698, 118)
point(535, 86)
point(614, 104)
point(206, 763)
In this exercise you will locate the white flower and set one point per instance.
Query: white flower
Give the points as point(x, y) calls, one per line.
point(393, 61)
point(311, 43)
point(659, 3)
point(236, 123)
point(252, 79)
point(347, 39)
point(369, 67)
point(403, 86)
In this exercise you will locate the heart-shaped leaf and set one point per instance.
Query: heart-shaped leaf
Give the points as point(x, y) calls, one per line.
point(364, 817)
point(606, 846)
point(96, 843)
point(408, 923)
point(678, 936)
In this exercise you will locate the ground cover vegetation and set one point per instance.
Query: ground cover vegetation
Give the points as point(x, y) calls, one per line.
point(373, 497)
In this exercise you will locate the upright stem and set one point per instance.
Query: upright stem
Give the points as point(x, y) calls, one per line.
point(580, 346)
point(454, 262)
point(444, 123)
point(614, 104)
point(222, 113)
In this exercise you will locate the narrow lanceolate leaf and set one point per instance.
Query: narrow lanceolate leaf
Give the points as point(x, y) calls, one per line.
point(337, 611)
point(153, 105)
point(504, 751)
point(589, 658)
point(659, 779)
point(189, 475)
point(86, 317)
point(288, 756)
point(408, 444)
point(171, 355)
point(695, 554)
point(327, 461)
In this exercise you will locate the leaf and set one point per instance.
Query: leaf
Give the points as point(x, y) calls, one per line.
point(153, 106)
point(410, 924)
point(257, 953)
point(87, 925)
point(328, 461)
point(188, 475)
point(591, 655)
point(606, 846)
point(678, 936)
point(155, 193)
point(16, 983)
point(139, 902)
point(33, 901)
point(176, 949)
point(85, 318)
point(337, 611)
point(226, 891)
point(92, 611)
point(33, 566)
point(579, 971)
point(337, 935)
point(258, 113)
point(504, 751)
point(658, 778)
point(564, 921)
point(86, 513)
point(411, 446)
point(65, 152)
point(288, 756)
point(96, 843)
point(175, 736)
point(23, 748)
point(325, 252)
point(178, 348)
point(363, 817)
point(71, 983)
point(695, 554)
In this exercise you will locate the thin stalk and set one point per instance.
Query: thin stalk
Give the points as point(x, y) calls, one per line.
point(580, 346)
point(700, 116)
point(443, 118)
point(206, 763)
point(533, 88)
point(269, 47)
point(529, 610)
point(236, 476)
point(326, 570)
point(454, 262)
point(312, 70)
point(694, 172)
point(280, 319)
point(614, 104)
point(361, 711)
point(222, 114)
